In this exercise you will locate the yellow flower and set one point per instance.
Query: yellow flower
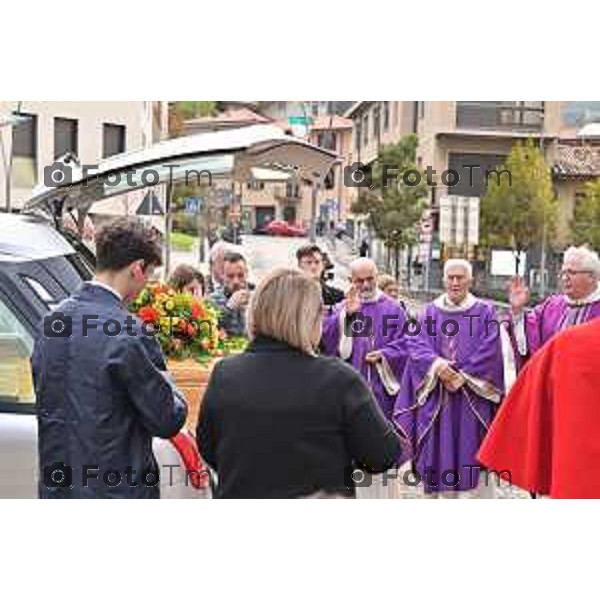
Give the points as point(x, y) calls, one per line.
point(170, 305)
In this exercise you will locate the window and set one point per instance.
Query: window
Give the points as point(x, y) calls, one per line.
point(471, 169)
point(113, 139)
point(65, 136)
point(365, 128)
point(292, 189)
point(357, 134)
point(256, 185)
point(329, 181)
point(327, 140)
point(386, 116)
point(16, 345)
point(24, 139)
point(42, 293)
point(376, 122)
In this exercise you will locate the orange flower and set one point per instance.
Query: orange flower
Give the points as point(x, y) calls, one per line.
point(197, 311)
point(148, 313)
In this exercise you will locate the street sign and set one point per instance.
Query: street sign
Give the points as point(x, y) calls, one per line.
point(193, 205)
point(459, 220)
point(300, 120)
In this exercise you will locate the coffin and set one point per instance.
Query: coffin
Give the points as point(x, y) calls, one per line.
point(191, 377)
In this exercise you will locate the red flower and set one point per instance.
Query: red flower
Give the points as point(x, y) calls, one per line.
point(188, 329)
point(149, 314)
point(197, 311)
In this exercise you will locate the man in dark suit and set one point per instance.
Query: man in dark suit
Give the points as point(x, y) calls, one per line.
point(100, 379)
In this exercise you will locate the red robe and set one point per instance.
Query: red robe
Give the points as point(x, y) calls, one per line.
point(547, 432)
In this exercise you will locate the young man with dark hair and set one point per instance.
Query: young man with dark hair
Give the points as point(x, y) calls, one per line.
point(232, 299)
point(101, 384)
point(311, 260)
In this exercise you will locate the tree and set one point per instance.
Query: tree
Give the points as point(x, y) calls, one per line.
point(179, 112)
point(585, 225)
point(519, 208)
point(395, 202)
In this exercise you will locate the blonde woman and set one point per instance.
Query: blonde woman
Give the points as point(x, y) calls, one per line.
point(278, 421)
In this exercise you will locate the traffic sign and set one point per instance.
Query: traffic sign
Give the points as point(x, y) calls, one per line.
point(300, 120)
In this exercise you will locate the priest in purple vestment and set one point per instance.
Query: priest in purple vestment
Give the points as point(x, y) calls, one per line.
point(579, 303)
point(452, 385)
point(366, 330)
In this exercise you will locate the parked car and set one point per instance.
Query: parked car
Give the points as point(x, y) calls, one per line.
point(284, 229)
point(38, 269)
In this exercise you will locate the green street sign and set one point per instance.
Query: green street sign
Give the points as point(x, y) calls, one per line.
point(302, 120)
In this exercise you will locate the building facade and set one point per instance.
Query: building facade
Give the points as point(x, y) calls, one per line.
point(465, 138)
point(90, 130)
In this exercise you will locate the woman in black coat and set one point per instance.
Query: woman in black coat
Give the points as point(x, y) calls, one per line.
point(278, 421)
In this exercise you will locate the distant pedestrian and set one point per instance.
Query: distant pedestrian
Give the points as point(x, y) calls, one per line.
point(364, 249)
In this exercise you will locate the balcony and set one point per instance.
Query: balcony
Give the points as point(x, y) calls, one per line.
point(500, 116)
point(290, 194)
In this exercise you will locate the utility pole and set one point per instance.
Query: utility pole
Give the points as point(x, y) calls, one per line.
point(7, 157)
point(544, 231)
point(314, 188)
point(313, 211)
point(168, 225)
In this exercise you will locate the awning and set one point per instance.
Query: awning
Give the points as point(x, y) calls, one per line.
point(235, 153)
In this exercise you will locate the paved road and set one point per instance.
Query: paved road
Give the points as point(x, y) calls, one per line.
point(266, 253)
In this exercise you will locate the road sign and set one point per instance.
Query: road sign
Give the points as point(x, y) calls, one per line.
point(300, 120)
point(193, 205)
point(459, 220)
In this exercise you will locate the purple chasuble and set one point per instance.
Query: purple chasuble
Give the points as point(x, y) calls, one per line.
point(446, 428)
point(547, 319)
point(381, 329)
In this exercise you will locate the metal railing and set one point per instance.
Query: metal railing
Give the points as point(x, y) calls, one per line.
point(507, 116)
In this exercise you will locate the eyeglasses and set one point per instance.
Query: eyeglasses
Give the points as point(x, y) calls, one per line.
point(572, 272)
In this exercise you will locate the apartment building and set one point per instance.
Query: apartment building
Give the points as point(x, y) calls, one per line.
point(453, 136)
point(46, 131)
point(377, 123)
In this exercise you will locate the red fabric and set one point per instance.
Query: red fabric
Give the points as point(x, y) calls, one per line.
point(186, 446)
point(547, 432)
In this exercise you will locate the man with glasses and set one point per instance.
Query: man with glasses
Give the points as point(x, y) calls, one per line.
point(579, 303)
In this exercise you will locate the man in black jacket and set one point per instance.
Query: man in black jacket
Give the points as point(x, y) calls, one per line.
point(311, 260)
point(100, 380)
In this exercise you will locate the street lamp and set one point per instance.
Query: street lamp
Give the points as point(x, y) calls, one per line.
point(7, 157)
